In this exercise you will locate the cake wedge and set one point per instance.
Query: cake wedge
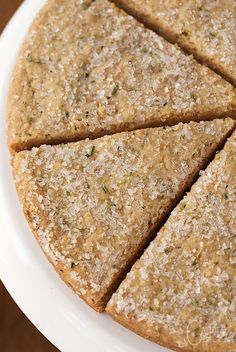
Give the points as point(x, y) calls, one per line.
point(203, 28)
point(88, 69)
point(94, 205)
point(182, 292)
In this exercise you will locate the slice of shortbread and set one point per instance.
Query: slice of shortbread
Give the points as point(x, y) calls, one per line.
point(94, 205)
point(182, 292)
point(90, 69)
point(201, 27)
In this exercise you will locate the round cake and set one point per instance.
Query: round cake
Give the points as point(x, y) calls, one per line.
point(115, 111)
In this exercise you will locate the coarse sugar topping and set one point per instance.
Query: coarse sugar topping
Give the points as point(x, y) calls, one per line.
point(205, 28)
point(185, 282)
point(91, 204)
point(90, 69)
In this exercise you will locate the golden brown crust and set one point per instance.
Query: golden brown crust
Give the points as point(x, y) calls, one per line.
point(181, 292)
point(87, 70)
point(94, 205)
point(163, 337)
point(172, 120)
point(75, 79)
point(205, 28)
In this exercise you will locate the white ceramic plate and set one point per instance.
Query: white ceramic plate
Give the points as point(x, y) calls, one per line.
point(51, 306)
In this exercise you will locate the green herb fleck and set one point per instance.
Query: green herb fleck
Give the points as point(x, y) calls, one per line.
point(110, 205)
point(105, 189)
point(29, 58)
point(199, 8)
point(87, 185)
point(193, 96)
point(67, 193)
point(226, 195)
point(151, 308)
point(72, 265)
point(184, 33)
point(85, 5)
point(210, 300)
point(182, 136)
point(86, 74)
point(194, 262)
point(167, 250)
point(91, 152)
point(145, 50)
point(197, 330)
point(115, 90)
point(212, 35)
point(30, 119)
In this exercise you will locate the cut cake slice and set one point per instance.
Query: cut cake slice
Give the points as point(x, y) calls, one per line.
point(88, 69)
point(182, 292)
point(94, 205)
point(203, 28)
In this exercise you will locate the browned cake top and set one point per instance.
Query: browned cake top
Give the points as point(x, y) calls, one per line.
point(185, 283)
point(90, 69)
point(92, 204)
point(205, 27)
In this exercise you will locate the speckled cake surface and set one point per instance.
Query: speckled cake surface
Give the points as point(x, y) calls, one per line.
point(93, 204)
point(204, 28)
point(93, 70)
point(110, 123)
point(181, 293)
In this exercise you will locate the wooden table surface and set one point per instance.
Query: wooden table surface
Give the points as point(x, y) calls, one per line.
point(17, 334)
point(7, 8)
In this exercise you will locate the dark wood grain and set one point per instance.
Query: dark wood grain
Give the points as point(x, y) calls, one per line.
point(17, 334)
point(7, 8)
